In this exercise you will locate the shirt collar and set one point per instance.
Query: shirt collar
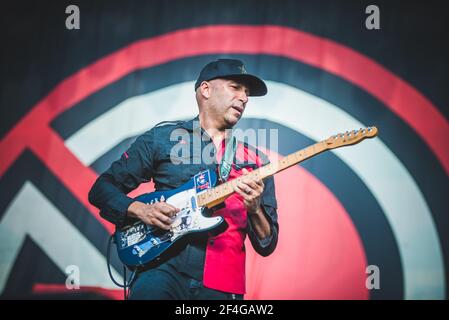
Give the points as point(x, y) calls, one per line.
point(192, 124)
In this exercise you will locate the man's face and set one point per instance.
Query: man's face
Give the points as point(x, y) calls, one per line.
point(228, 99)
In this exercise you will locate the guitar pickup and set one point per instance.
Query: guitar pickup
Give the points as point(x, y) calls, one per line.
point(193, 203)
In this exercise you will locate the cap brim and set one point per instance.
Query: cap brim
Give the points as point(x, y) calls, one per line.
point(255, 85)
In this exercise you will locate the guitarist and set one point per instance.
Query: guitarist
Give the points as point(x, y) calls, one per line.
point(206, 267)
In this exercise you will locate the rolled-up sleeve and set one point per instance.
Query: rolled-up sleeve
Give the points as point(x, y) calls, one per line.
point(266, 246)
point(135, 166)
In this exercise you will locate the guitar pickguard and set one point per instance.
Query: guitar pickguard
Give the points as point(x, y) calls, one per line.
point(139, 243)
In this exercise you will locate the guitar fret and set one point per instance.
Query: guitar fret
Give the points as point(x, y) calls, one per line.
point(220, 192)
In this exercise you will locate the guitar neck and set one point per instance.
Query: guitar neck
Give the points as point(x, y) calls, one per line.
point(216, 195)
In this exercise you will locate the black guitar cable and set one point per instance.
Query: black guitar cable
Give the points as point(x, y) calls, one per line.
point(126, 284)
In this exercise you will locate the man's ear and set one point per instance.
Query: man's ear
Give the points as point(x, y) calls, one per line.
point(205, 89)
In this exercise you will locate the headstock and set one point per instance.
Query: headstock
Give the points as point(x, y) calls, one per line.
point(351, 137)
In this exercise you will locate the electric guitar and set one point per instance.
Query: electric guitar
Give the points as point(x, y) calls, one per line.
point(140, 244)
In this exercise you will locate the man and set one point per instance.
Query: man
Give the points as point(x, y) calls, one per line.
point(208, 267)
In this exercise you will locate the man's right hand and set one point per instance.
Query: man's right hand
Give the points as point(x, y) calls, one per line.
point(158, 214)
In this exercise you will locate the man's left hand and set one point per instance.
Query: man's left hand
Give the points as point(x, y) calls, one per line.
point(251, 190)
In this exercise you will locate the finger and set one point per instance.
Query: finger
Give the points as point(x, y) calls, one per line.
point(260, 183)
point(254, 193)
point(152, 220)
point(252, 184)
point(258, 188)
point(168, 205)
point(238, 188)
point(251, 188)
point(242, 190)
point(246, 176)
point(160, 224)
point(245, 187)
point(162, 218)
point(167, 209)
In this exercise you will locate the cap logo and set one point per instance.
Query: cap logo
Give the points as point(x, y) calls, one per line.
point(242, 69)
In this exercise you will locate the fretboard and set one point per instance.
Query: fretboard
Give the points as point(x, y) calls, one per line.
point(218, 194)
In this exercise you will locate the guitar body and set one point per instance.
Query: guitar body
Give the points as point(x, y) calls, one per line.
point(140, 244)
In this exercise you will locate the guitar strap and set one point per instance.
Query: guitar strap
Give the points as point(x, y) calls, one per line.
point(228, 158)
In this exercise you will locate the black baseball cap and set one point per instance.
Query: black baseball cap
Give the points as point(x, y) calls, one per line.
point(232, 69)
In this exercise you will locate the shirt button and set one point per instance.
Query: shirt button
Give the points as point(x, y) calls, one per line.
point(211, 242)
